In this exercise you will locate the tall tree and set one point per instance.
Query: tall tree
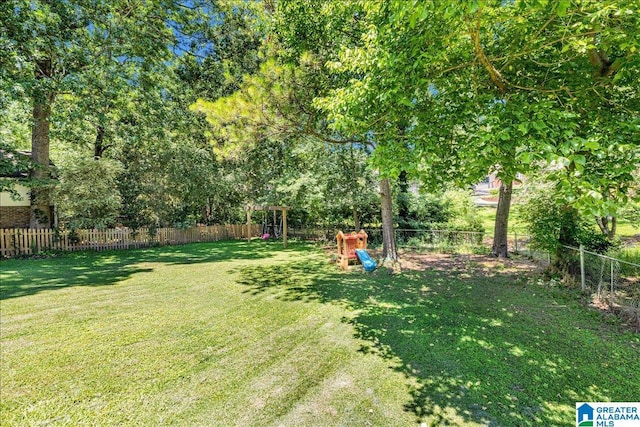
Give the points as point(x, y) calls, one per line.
point(490, 85)
point(278, 101)
point(55, 47)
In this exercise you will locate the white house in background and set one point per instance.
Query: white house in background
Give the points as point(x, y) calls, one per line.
point(492, 182)
point(15, 210)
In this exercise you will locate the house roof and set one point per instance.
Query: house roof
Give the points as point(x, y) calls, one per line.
point(16, 163)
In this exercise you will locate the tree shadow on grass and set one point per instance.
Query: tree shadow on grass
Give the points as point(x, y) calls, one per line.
point(89, 268)
point(479, 346)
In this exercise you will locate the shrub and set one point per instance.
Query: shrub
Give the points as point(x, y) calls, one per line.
point(631, 213)
point(425, 209)
point(552, 222)
point(87, 195)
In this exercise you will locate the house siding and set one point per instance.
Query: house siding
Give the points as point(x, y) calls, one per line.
point(15, 212)
point(22, 200)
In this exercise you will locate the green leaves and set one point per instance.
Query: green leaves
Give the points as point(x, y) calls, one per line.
point(420, 12)
point(591, 144)
point(448, 91)
point(87, 194)
point(562, 6)
point(526, 157)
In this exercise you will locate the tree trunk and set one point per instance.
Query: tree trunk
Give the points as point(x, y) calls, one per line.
point(614, 226)
point(41, 209)
point(500, 248)
point(356, 218)
point(607, 228)
point(389, 251)
point(403, 200)
point(99, 147)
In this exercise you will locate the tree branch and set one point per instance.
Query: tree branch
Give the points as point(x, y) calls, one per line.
point(494, 74)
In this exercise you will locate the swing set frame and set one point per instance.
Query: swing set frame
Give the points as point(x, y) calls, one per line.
point(274, 209)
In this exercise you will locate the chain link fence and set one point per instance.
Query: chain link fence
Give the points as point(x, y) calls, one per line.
point(613, 284)
point(420, 240)
point(428, 240)
point(521, 245)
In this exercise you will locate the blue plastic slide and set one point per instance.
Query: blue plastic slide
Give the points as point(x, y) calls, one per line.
point(368, 263)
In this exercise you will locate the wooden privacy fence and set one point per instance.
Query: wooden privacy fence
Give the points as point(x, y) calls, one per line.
point(24, 241)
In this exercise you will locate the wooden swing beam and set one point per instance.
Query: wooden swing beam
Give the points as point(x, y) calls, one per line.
point(282, 209)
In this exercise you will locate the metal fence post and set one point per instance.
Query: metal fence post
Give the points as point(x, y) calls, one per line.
point(516, 237)
point(611, 302)
point(582, 275)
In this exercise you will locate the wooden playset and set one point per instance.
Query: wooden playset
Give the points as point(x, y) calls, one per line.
point(347, 245)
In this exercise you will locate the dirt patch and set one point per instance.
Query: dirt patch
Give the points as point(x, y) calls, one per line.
point(478, 264)
point(631, 240)
point(493, 199)
point(629, 314)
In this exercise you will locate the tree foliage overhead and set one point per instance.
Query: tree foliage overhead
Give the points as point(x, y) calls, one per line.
point(458, 89)
point(297, 94)
point(448, 92)
point(277, 103)
point(121, 79)
point(65, 47)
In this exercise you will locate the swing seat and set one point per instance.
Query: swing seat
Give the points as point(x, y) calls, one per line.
point(271, 230)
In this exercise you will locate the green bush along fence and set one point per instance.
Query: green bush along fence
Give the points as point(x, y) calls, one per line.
point(612, 283)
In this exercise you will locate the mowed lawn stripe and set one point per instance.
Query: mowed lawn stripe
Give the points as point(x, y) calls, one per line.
point(237, 334)
point(178, 344)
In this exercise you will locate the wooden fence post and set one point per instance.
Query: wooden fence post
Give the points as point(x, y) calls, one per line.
point(17, 241)
point(284, 228)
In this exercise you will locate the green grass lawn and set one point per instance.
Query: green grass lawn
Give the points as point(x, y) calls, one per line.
point(231, 334)
point(487, 216)
point(625, 229)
